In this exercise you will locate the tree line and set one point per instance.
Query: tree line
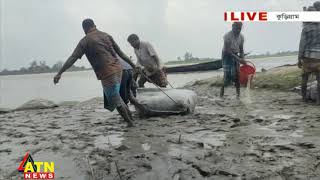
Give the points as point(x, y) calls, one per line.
point(37, 67)
point(189, 58)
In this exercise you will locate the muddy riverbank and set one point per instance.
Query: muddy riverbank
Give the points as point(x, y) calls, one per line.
point(268, 135)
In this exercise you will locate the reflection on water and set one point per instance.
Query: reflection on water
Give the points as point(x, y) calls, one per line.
point(80, 86)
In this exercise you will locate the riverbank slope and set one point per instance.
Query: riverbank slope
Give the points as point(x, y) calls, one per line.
point(268, 134)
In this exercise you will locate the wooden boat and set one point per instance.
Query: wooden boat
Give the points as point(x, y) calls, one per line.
point(208, 66)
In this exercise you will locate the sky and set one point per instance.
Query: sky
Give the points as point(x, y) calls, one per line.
point(49, 30)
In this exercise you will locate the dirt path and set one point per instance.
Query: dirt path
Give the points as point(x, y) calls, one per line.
point(274, 136)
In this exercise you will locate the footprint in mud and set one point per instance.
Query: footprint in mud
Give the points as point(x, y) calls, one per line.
point(7, 151)
point(98, 123)
point(305, 145)
point(86, 119)
point(262, 121)
point(53, 126)
point(15, 134)
point(287, 148)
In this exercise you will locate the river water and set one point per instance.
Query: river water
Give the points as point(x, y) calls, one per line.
point(80, 86)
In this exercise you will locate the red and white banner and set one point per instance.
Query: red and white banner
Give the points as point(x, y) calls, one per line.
point(263, 16)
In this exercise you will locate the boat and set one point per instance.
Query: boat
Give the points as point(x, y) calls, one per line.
point(207, 66)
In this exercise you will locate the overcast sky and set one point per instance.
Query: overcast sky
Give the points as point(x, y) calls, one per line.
point(50, 29)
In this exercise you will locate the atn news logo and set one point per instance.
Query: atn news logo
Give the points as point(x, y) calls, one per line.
point(36, 170)
point(264, 16)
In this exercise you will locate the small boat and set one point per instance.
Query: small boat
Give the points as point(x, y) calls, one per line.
point(207, 66)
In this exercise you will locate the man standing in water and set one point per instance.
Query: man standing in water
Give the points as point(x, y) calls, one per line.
point(232, 56)
point(102, 51)
point(309, 54)
point(149, 60)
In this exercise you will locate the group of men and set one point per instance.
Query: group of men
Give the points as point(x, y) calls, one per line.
point(118, 73)
point(115, 69)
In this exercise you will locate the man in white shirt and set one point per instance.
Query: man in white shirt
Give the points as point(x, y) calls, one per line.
point(232, 57)
point(148, 63)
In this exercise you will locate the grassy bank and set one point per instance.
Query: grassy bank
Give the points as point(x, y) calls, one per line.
point(280, 78)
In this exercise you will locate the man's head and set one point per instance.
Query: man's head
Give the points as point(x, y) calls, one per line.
point(87, 25)
point(236, 28)
point(316, 5)
point(134, 40)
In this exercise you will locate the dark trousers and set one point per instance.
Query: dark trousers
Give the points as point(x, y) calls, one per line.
point(304, 85)
point(231, 73)
point(126, 85)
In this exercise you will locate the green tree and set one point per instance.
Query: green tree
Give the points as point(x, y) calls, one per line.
point(57, 66)
point(188, 56)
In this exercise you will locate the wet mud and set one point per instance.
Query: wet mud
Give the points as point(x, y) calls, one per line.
point(266, 135)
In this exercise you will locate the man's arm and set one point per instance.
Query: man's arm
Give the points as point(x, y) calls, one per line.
point(153, 54)
point(157, 60)
point(77, 54)
point(241, 48)
point(121, 54)
point(138, 64)
point(302, 45)
point(242, 61)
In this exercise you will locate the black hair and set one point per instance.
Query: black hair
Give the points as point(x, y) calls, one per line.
point(237, 24)
point(87, 24)
point(133, 37)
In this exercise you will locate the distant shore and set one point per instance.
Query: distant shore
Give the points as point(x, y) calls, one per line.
point(168, 63)
point(15, 73)
point(175, 62)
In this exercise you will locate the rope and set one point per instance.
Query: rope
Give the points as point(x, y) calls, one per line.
point(170, 85)
point(142, 73)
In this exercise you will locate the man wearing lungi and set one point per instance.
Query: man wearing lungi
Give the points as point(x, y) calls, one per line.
point(102, 52)
point(232, 56)
point(309, 56)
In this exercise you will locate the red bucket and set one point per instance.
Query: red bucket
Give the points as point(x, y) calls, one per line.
point(247, 72)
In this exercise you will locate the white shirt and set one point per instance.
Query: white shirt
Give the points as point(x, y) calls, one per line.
point(235, 42)
point(145, 57)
